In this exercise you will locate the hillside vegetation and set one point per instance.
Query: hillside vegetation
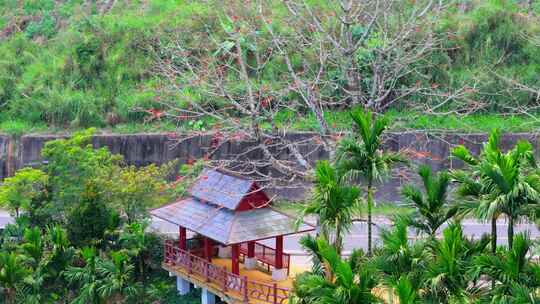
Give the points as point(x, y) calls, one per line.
point(75, 64)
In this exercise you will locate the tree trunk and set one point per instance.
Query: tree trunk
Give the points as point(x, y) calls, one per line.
point(143, 278)
point(370, 207)
point(338, 243)
point(493, 242)
point(494, 234)
point(510, 232)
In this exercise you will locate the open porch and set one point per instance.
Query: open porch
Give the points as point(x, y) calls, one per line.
point(249, 285)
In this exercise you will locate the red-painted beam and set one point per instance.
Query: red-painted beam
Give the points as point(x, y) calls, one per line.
point(208, 249)
point(251, 250)
point(182, 238)
point(279, 252)
point(235, 258)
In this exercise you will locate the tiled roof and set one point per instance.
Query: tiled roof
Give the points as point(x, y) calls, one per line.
point(226, 226)
point(220, 189)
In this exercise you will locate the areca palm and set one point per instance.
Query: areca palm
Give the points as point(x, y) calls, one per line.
point(361, 155)
point(137, 242)
point(12, 274)
point(502, 183)
point(60, 253)
point(341, 282)
point(448, 276)
point(334, 203)
point(406, 292)
point(511, 270)
point(117, 276)
point(399, 257)
point(86, 277)
point(32, 246)
point(432, 207)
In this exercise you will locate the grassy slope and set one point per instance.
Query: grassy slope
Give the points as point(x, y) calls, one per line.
point(340, 121)
point(72, 66)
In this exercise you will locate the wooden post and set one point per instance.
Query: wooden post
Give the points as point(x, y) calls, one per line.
point(182, 238)
point(166, 252)
point(235, 255)
point(251, 249)
point(279, 252)
point(208, 249)
point(275, 293)
point(225, 278)
point(245, 289)
point(190, 267)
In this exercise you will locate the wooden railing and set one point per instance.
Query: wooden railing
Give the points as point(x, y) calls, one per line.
point(225, 280)
point(266, 255)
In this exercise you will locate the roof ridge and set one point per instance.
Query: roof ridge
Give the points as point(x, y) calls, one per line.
point(220, 189)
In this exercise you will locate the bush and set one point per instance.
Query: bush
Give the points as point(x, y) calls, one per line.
point(89, 220)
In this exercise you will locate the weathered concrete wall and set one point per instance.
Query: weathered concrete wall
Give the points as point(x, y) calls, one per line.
point(5, 155)
point(143, 149)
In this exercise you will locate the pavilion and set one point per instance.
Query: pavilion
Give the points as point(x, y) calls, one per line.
point(229, 215)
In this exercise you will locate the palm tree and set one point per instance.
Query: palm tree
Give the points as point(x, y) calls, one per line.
point(361, 155)
point(14, 233)
point(137, 242)
point(398, 256)
point(60, 253)
point(86, 277)
point(502, 183)
point(32, 246)
point(117, 276)
point(406, 292)
point(447, 276)
point(432, 208)
point(334, 203)
point(12, 274)
point(340, 282)
point(511, 270)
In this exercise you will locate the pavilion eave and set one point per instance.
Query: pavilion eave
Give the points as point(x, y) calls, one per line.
point(229, 227)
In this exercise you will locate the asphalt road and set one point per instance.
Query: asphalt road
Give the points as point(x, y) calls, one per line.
point(357, 237)
point(4, 218)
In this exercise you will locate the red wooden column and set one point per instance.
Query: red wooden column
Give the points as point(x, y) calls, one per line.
point(208, 249)
point(235, 258)
point(279, 252)
point(182, 238)
point(251, 250)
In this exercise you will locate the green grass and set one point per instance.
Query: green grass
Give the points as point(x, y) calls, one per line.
point(337, 121)
point(19, 127)
point(85, 69)
point(385, 209)
point(401, 121)
point(388, 209)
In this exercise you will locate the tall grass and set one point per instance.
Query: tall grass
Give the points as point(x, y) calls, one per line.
point(73, 66)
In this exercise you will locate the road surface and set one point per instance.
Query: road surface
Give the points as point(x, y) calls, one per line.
point(4, 219)
point(357, 237)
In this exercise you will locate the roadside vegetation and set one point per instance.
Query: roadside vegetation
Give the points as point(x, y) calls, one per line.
point(81, 231)
point(441, 265)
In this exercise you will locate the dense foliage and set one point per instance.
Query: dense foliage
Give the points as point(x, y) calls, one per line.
point(441, 264)
point(81, 63)
point(81, 229)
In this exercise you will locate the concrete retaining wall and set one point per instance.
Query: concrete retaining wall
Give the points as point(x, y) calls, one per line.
point(143, 149)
